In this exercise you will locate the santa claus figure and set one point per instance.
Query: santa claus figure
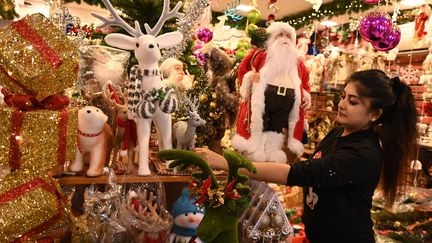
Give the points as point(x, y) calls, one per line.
point(274, 89)
point(174, 75)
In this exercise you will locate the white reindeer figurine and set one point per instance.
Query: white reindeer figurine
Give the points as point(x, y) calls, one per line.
point(148, 100)
point(184, 132)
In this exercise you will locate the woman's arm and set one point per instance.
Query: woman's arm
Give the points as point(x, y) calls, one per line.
point(266, 171)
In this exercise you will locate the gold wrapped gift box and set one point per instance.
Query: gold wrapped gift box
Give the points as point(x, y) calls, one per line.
point(31, 207)
point(37, 140)
point(36, 58)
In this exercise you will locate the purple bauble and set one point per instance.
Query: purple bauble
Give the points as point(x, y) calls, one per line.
point(374, 26)
point(390, 41)
point(371, 1)
point(200, 57)
point(205, 34)
point(198, 45)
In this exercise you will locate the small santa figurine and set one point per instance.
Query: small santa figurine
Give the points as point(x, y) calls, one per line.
point(275, 93)
point(174, 75)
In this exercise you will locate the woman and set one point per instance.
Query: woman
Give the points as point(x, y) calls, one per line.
point(376, 140)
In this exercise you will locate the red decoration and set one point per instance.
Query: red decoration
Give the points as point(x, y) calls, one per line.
point(427, 109)
point(26, 32)
point(420, 21)
point(271, 17)
point(272, 1)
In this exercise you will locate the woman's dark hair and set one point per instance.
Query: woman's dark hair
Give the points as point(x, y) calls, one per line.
point(396, 127)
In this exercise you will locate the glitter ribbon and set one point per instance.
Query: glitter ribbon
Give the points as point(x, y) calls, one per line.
point(27, 187)
point(14, 148)
point(26, 32)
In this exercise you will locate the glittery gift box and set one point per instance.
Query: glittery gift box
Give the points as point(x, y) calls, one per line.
point(36, 58)
point(31, 207)
point(37, 140)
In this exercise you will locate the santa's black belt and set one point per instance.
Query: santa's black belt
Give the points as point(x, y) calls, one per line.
point(280, 90)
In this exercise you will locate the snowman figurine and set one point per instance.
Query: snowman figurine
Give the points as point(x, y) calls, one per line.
point(187, 216)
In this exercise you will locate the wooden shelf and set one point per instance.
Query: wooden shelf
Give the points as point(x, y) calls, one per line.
point(133, 177)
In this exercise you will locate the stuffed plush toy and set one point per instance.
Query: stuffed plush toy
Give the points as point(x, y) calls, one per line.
point(94, 137)
point(187, 216)
point(220, 65)
point(222, 202)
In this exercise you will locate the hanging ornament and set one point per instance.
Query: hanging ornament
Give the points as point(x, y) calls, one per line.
point(271, 17)
point(243, 44)
point(198, 45)
point(371, 1)
point(200, 57)
point(316, 4)
point(390, 41)
point(374, 26)
point(272, 1)
point(254, 16)
point(203, 97)
point(241, 53)
point(250, 29)
point(205, 34)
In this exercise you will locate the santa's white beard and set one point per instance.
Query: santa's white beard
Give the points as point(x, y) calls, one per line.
point(281, 58)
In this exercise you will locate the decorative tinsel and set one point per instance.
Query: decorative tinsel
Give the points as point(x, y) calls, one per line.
point(192, 14)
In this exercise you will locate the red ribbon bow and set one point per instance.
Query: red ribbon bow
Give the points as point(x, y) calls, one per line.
point(28, 103)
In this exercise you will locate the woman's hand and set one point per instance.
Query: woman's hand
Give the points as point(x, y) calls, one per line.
point(215, 160)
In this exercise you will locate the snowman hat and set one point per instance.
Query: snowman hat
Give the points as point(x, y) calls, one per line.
point(184, 204)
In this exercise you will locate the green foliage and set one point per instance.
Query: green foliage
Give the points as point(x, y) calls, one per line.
point(185, 159)
point(7, 10)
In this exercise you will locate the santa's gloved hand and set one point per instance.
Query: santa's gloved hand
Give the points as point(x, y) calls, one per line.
point(254, 76)
point(306, 101)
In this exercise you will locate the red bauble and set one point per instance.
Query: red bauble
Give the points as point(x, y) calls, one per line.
point(271, 17)
point(272, 1)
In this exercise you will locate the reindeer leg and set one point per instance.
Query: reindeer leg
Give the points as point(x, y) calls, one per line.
point(143, 131)
point(163, 125)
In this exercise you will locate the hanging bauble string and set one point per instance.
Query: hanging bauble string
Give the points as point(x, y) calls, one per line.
point(390, 41)
point(374, 26)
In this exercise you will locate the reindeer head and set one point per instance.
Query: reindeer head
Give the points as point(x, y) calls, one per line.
point(194, 118)
point(146, 46)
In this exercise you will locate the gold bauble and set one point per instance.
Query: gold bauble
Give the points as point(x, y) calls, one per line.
point(203, 97)
point(215, 116)
point(214, 95)
point(213, 104)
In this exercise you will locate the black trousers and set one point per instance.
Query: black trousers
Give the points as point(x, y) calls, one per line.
point(278, 104)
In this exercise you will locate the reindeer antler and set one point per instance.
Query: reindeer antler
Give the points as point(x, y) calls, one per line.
point(118, 21)
point(184, 159)
point(166, 14)
point(192, 102)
